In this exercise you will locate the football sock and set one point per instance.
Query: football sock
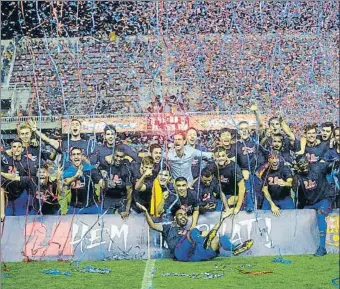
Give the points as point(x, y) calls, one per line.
point(322, 225)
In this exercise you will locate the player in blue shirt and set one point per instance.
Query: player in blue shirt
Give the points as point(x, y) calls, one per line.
point(191, 140)
point(314, 192)
point(109, 145)
point(227, 141)
point(247, 157)
point(47, 192)
point(315, 149)
point(277, 145)
point(327, 130)
point(142, 181)
point(193, 245)
point(80, 180)
point(185, 198)
point(208, 189)
point(18, 178)
point(231, 180)
point(332, 155)
point(278, 127)
point(74, 140)
point(277, 185)
point(117, 184)
point(156, 154)
point(246, 150)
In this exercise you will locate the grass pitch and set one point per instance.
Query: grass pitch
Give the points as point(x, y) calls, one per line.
point(305, 272)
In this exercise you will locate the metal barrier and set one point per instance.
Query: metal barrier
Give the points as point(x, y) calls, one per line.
point(92, 116)
point(21, 119)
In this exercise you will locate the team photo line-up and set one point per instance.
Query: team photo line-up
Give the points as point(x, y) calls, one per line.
point(179, 176)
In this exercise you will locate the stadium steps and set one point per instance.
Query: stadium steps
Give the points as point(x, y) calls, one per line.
point(18, 94)
point(9, 73)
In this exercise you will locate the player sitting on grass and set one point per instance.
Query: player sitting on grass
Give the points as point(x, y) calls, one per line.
point(194, 245)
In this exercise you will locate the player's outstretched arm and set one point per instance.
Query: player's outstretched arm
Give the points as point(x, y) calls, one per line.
point(195, 215)
point(10, 177)
point(126, 213)
point(242, 192)
point(303, 143)
point(157, 227)
point(286, 129)
point(54, 143)
point(275, 209)
point(160, 208)
point(224, 201)
point(259, 121)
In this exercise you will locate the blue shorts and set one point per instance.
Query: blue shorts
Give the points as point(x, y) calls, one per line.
point(183, 250)
point(193, 252)
point(201, 254)
point(253, 193)
point(20, 206)
point(285, 204)
point(325, 206)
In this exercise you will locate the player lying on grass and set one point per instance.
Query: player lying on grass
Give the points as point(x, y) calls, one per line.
point(194, 245)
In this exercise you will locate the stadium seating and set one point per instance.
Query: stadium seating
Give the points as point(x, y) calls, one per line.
point(281, 59)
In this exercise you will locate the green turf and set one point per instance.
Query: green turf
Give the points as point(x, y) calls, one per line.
point(124, 275)
point(305, 272)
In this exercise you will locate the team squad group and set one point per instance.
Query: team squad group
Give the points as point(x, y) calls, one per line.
point(268, 169)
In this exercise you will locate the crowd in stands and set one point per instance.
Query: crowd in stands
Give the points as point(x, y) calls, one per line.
point(7, 54)
point(283, 81)
point(207, 56)
point(175, 17)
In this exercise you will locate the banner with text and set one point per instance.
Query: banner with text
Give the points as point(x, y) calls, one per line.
point(97, 125)
point(161, 123)
point(108, 237)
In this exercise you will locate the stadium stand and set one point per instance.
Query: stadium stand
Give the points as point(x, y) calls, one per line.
point(227, 65)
